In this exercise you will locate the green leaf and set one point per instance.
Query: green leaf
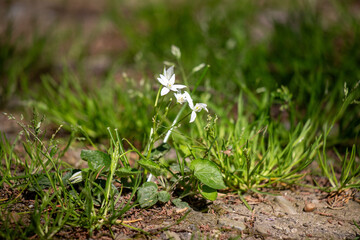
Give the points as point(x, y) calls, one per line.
point(152, 167)
point(176, 168)
point(185, 150)
point(89, 204)
point(126, 171)
point(38, 182)
point(160, 151)
point(96, 159)
point(208, 192)
point(208, 173)
point(180, 204)
point(98, 191)
point(244, 201)
point(147, 194)
point(163, 196)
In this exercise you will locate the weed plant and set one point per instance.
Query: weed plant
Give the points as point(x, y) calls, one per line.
point(275, 104)
point(59, 199)
point(249, 153)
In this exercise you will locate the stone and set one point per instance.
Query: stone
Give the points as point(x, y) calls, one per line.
point(172, 235)
point(236, 224)
point(309, 207)
point(263, 229)
point(285, 205)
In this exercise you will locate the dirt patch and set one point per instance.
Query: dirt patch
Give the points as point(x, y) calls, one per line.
point(272, 217)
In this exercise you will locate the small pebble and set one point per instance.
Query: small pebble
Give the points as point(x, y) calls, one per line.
point(309, 207)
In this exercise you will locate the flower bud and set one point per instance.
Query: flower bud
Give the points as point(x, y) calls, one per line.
point(76, 177)
point(175, 51)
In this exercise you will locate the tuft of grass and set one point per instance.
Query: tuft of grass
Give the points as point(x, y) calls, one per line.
point(257, 153)
point(116, 105)
point(20, 62)
point(59, 201)
point(349, 176)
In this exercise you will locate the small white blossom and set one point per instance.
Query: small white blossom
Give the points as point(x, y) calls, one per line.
point(182, 97)
point(197, 108)
point(167, 79)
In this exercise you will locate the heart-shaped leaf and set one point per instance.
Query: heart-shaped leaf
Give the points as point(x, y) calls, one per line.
point(96, 159)
point(147, 194)
point(208, 192)
point(208, 173)
point(159, 151)
point(38, 182)
point(98, 190)
point(163, 196)
point(152, 167)
point(126, 171)
point(180, 204)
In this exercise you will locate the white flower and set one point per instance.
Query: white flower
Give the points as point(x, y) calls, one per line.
point(182, 97)
point(197, 108)
point(167, 80)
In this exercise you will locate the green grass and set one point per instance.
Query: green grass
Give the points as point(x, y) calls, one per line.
point(20, 62)
point(259, 154)
point(93, 111)
point(312, 61)
point(277, 102)
point(350, 169)
point(59, 201)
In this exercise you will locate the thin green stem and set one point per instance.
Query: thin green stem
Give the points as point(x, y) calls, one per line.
point(157, 97)
point(174, 123)
point(183, 73)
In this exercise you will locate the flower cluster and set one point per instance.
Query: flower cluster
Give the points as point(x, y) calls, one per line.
point(167, 79)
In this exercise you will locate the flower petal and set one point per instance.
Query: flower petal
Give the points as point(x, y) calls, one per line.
point(162, 80)
point(169, 72)
point(177, 96)
point(199, 106)
point(178, 86)
point(172, 79)
point(193, 116)
point(187, 95)
point(180, 98)
point(189, 100)
point(164, 91)
point(203, 106)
